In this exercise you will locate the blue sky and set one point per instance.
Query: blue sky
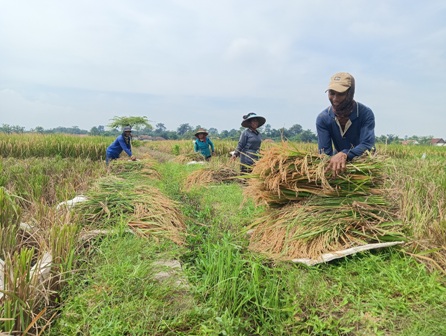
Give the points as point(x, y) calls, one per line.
point(81, 63)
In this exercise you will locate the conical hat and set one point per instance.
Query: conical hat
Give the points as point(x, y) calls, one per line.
point(201, 130)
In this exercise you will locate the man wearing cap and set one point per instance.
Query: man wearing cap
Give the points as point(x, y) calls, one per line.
point(346, 125)
point(121, 143)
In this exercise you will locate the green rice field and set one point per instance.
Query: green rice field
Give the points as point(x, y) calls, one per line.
point(162, 247)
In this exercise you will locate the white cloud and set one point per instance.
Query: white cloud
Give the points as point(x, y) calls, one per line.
point(84, 62)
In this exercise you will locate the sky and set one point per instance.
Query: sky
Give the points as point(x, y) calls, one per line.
point(207, 63)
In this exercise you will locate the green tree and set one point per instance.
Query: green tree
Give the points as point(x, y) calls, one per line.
point(184, 128)
point(160, 128)
point(213, 131)
point(135, 122)
point(94, 131)
point(268, 130)
point(39, 129)
point(6, 128)
point(18, 129)
point(308, 136)
point(295, 130)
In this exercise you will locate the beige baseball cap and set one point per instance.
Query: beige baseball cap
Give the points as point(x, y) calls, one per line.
point(340, 82)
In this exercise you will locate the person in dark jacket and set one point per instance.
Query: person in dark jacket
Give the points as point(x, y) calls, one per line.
point(203, 144)
point(249, 143)
point(346, 125)
point(122, 143)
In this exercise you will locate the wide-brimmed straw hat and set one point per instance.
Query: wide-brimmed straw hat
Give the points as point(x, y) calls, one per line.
point(201, 130)
point(250, 116)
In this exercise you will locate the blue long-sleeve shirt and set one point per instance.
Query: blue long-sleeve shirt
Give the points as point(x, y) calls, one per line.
point(248, 146)
point(359, 137)
point(117, 146)
point(203, 147)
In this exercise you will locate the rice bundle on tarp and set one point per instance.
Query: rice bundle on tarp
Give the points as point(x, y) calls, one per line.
point(149, 211)
point(285, 174)
point(208, 175)
point(312, 212)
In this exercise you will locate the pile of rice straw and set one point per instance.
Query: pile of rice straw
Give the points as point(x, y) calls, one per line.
point(310, 211)
point(208, 175)
point(148, 210)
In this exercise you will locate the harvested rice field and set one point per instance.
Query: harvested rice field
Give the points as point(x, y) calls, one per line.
point(170, 245)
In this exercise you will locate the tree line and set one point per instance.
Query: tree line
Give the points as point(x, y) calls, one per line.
point(187, 131)
point(184, 131)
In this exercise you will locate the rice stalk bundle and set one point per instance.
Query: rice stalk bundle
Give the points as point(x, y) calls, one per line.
point(284, 174)
point(125, 166)
point(184, 158)
point(208, 175)
point(145, 208)
point(318, 212)
point(157, 215)
point(320, 225)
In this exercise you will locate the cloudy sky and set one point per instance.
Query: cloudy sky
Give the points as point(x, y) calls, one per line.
point(81, 63)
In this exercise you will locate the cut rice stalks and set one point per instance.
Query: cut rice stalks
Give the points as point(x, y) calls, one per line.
point(125, 166)
point(317, 212)
point(146, 208)
point(285, 174)
point(212, 174)
point(321, 225)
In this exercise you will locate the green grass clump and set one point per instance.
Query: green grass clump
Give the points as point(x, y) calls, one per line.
point(118, 294)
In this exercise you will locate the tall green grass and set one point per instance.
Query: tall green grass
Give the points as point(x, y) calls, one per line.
point(10, 215)
point(48, 180)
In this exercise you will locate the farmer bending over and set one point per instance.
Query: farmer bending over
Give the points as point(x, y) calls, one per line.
point(347, 125)
point(122, 143)
point(203, 144)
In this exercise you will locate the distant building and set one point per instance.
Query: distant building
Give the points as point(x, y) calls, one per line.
point(438, 142)
point(409, 142)
point(145, 137)
point(150, 138)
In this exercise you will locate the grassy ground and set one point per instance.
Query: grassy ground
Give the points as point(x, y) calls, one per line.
point(224, 289)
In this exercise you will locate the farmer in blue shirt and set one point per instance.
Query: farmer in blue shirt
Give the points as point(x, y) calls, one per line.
point(121, 143)
point(248, 146)
point(203, 144)
point(346, 125)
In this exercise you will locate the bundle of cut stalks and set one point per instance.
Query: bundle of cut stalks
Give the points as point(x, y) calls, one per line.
point(142, 166)
point(150, 212)
point(208, 175)
point(184, 158)
point(321, 225)
point(285, 174)
point(313, 212)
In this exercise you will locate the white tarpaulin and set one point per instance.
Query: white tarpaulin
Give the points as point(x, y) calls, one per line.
point(326, 257)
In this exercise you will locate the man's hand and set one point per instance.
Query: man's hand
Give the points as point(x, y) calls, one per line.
point(133, 158)
point(337, 163)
